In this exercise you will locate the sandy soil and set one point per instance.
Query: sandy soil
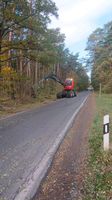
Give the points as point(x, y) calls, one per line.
point(65, 178)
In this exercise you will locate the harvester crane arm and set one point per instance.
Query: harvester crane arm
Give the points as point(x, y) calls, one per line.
point(55, 78)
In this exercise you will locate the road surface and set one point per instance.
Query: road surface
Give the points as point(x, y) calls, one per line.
point(66, 178)
point(26, 138)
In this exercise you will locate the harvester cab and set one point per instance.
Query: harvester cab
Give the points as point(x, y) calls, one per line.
point(69, 84)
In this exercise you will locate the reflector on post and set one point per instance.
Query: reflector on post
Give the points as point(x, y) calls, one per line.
point(106, 132)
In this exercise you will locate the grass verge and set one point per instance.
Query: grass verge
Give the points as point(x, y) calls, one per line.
point(8, 106)
point(98, 181)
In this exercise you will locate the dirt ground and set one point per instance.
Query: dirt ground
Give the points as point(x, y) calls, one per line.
point(65, 178)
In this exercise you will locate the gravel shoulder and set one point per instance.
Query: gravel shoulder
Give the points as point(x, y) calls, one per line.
point(65, 177)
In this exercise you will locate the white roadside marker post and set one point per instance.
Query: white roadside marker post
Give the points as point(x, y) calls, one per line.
point(106, 132)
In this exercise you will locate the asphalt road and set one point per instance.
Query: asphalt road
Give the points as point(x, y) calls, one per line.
point(27, 137)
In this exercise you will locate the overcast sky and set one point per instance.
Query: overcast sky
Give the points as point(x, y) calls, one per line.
point(79, 18)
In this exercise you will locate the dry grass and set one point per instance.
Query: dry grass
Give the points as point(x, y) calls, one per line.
point(98, 183)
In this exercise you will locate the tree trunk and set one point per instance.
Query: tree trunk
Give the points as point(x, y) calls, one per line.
point(0, 49)
point(21, 64)
point(36, 67)
point(28, 70)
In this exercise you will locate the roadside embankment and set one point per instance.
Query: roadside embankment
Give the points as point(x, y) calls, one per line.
point(98, 181)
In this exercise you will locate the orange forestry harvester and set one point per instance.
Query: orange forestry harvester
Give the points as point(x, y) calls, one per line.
point(69, 86)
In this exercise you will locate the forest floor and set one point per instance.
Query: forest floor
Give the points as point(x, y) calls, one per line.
point(10, 107)
point(65, 178)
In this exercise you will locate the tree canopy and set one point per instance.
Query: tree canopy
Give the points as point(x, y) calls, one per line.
point(29, 47)
point(99, 47)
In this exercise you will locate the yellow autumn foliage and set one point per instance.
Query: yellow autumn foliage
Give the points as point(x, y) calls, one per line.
point(4, 56)
point(6, 70)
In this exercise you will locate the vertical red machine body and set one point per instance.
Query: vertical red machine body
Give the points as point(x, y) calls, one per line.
point(69, 84)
